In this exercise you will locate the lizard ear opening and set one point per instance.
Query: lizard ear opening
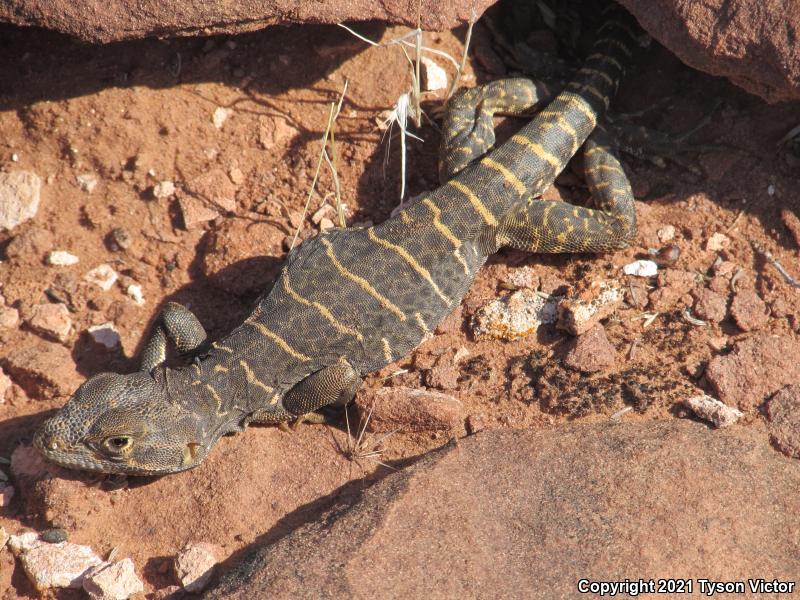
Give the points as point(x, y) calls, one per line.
point(190, 453)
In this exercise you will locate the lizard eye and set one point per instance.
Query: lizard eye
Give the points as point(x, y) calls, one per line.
point(118, 443)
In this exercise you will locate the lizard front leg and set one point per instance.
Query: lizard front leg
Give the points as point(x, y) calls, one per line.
point(176, 324)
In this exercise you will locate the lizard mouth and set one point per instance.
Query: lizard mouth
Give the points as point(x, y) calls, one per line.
point(66, 455)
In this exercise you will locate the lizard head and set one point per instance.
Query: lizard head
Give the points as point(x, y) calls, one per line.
point(123, 424)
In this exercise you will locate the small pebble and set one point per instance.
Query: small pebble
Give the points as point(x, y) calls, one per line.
point(135, 293)
point(120, 238)
point(62, 258)
point(5, 385)
point(325, 212)
point(87, 182)
point(641, 268)
point(326, 224)
point(712, 410)
point(220, 116)
point(474, 424)
point(195, 565)
point(717, 241)
point(434, 77)
point(9, 317)
point(53, 565)
point(667, 256)
point(783, 412)
point(19, 197)
point(51, 320)
point(236, 175)
point(164, 189)
point(102, 276)
point(6, 494)
point(54, 536)
point(105, 334)
point(666, 233)
point(115, 581)
point(521, 314)
point(582, 310)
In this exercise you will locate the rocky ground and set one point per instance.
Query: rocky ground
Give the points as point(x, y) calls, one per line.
point(178, 170)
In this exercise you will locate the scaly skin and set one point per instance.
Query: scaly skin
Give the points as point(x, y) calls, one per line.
point(352, 300)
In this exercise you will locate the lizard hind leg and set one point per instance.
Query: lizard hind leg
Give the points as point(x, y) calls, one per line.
point(468, 128)
point(536, 225)
point(658, 147)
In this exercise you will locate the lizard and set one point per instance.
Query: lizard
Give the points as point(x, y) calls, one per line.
point(350, 301)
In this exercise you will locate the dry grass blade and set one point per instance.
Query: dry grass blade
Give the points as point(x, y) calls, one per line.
point(787, 277)
point(793, 132)
point(409, 103)
point(334, 111)
point(359, 448)
point(689, 318)
point(333, 161)
point(462, 64)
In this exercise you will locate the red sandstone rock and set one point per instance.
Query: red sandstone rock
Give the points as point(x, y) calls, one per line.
point(783, 410)
point(51, 320)
point(757, 367)
point(526, 514)
point(43, 369)
point(130, 19)
point(195, 565)
point(751, 42)
point(591, 352)
point(709, 305)
point(749, 310)
point(409, 409)
point(584, 309)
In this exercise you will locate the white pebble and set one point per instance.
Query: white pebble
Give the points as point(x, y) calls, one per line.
point(521, 314)
point(641, 268)
point(135, 293)
point(102, 276)
point(666, 233)
point(434, 77)
point(87, 182)
point(712, 410)
point(62, 258)
point(195, 565)
point(105, 334)
point(163, 189)
point(19, 197)
point(717, 241)
point(53, 565)
point(220, 116)
point(116, 581)
point(771, 190)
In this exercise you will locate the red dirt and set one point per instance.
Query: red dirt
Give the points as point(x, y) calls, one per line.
point(130, 116)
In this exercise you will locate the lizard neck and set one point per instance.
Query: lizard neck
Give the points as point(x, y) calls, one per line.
point(216, 405)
